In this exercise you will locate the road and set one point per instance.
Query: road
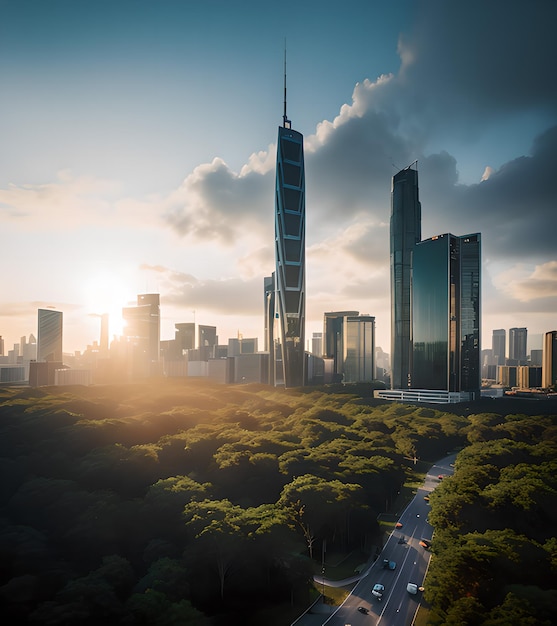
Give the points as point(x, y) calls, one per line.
point(398, 607)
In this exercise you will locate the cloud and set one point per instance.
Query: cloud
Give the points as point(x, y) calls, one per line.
point(215, 203)
point(526, 285)
point(228, 296)
point(466, 64)
point(512, 207)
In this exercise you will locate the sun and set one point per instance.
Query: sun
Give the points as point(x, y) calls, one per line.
point(105, 294)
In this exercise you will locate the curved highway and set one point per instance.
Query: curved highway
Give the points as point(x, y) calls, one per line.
point(397, 607)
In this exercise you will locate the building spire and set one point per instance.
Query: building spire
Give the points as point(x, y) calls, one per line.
point(285, 121)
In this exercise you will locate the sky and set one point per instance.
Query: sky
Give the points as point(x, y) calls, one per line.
point(138, 147)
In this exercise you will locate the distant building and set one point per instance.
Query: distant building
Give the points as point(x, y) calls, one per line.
point(549, 366)
point(317, 344)
point(142, 333)
point(518, 340)
point(49, 342)
point(207, 340)
point(349, 341)
point(405, 233)
point(446, 313)
point(498, 346)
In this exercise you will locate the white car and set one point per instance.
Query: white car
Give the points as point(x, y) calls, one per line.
point(378, 590)
point(412, 588)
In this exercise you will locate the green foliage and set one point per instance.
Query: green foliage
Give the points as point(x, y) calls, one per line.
point(204, 499)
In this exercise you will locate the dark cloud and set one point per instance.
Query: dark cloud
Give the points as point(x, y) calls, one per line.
point(475, 61)
point(514, 208)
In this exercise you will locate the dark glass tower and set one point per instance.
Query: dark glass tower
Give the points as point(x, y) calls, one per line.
point(290, 273)
point(518, 340)
point(406, 231)
point(446, 313)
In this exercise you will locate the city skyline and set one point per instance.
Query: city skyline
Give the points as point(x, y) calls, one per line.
point(140, 156)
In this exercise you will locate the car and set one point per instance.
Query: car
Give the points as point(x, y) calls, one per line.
point(378, 590)
point(389, 564)
point(440, 477)
point(363, 609)
point(398, 525)
point(426, 498)
point(425, 543)
point(412, 588)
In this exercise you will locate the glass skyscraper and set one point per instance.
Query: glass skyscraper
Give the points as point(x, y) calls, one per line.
point(549, 364)
point(405, 231)
point(446, 313)
point(49, 342)
point(518, 340)
point(498, 346)
point(288, 351)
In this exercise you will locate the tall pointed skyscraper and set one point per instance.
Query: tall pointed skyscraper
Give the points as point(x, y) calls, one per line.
point(288, 352)
point(406, 231)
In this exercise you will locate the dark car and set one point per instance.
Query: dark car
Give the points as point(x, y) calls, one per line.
point(389, 564)
point(363, 609)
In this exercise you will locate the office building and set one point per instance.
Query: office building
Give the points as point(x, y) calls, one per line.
point(499, 347)
point(288, 349)
point(317, 344)
point(207, 340)
point(446, 314)
point(349, 342)
point(142, 333)
point(405, 232)
point(549, 365)
point(49, 336)
point(333, 341)
point(518, 339)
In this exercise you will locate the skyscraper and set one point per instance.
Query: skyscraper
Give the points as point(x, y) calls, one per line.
point(405, 231)
point(446, 313)
point(49, 336)
point(333, 340)
point(142, 332)
point(288, 352)
point(549, 365)
point(518, 339)
point(498, 346)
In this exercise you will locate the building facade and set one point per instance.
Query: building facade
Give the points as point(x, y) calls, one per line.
point(142, 333)
point(405, 232)
point(518, 340)
point(446, 313)
point(288, 348)
point(349, 342)
point(499, 346)
point(49, 336)
point(549, 365)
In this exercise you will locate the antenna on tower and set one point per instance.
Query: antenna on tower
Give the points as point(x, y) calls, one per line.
point(285, 121)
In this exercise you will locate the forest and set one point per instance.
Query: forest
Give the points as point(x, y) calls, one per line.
point(191, 503)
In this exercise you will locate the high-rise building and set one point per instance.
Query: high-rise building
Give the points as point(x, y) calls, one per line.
point(49, 336)
point(446, 313)
point(104, 336)
point(142, 332)
point(359, 349)
point(349, 341)
point(333, 340)
point(499, 346)
point(317, 344)
point(518, 339)
point(405, 232)
point(549, 365)
point(288, 351)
